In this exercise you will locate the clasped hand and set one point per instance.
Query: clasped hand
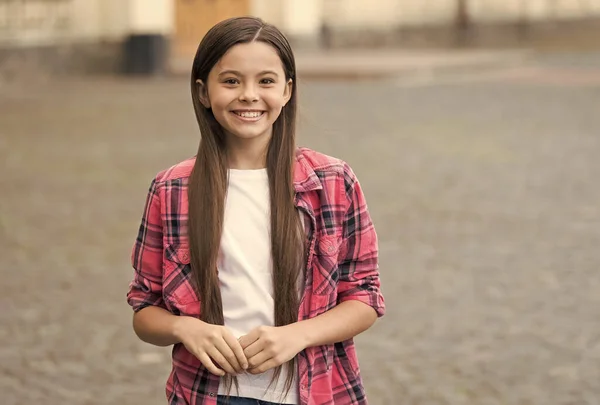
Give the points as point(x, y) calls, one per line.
point(220, 352)
point(267, 347)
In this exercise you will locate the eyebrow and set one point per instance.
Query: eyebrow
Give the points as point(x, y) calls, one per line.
point(235, 72)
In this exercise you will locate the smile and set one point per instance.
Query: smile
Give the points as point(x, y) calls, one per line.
point(249, 115)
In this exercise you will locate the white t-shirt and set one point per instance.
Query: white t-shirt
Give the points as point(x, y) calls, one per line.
point(245, 275)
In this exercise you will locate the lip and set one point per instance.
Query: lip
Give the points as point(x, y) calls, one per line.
point(235, 113)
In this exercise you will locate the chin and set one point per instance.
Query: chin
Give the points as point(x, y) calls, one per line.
point(249, 134)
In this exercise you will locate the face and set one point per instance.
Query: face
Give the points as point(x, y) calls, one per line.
point(246, 91)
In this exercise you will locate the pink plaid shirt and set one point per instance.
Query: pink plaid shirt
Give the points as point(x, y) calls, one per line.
point(342, 265)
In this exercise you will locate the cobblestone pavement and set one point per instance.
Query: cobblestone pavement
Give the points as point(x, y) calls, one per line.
point(482, 187)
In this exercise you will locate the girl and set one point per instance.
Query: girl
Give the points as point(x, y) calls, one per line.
point(255, 259)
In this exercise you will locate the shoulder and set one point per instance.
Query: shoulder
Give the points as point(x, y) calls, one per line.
point(181, 170)
point(319, 161)
point(327, 168)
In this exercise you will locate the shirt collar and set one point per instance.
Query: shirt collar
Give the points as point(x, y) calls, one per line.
point(305, 178)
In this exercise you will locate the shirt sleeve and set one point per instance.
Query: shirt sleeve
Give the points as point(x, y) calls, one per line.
point(146, 287)
point(359, 256)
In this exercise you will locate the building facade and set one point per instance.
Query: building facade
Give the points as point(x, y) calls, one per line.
point(100, 35)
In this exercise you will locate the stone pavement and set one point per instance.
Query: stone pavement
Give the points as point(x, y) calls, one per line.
point(483, 188)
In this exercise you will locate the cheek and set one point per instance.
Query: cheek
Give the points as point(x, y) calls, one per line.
point(275, 101)
point(217, 103)
point(220, 99)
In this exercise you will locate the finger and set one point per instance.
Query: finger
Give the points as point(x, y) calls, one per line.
point(237, 350)
point(267, 365)
point(228, 355)
point(258, 359)
point(218, 358)
point(208, 363)
point(250, 338)
point(254, 349)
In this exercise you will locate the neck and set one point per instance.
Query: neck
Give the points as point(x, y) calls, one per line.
point(247, 154)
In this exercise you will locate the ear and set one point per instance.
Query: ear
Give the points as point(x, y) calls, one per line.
point(287, 92)
point(203, 93)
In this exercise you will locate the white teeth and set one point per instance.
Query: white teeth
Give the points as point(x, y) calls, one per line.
point(249, 114)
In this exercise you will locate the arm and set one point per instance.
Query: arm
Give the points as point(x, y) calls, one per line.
point(359, 257)
point(266, 347)
point(359, 299)
point(157, 326)
point(152, 323)
point(343, 322)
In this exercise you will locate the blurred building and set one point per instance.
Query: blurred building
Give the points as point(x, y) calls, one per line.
point(151, 35)
point(459, 22)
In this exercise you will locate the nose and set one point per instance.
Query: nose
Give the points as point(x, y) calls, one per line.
point(249, 94)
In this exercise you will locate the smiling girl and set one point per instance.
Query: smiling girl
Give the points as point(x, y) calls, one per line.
point(256, 259)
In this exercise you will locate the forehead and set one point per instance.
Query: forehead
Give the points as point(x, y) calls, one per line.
point(250, 58)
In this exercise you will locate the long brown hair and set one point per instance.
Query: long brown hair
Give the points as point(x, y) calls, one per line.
point(208, 182)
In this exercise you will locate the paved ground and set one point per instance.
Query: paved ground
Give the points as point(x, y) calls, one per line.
point(482, 186)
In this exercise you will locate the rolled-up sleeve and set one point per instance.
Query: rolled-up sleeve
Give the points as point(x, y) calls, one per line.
point(359, 258)
point(146, 287)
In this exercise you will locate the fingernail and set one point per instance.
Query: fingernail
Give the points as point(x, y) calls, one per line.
point(245, 366)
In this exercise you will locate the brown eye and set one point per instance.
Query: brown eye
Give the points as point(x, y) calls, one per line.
point(267, 81)
point(230, 81)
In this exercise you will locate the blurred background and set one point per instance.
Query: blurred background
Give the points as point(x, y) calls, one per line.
point(473, 126)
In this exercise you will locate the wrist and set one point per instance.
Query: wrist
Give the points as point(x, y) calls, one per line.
point(302, 333)
point(179, 328)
